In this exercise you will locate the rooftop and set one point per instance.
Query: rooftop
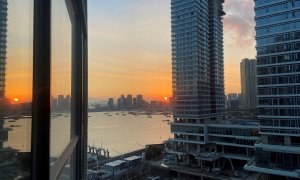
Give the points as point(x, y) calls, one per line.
point(248, 122)
point(114, 163)
point(132, 158)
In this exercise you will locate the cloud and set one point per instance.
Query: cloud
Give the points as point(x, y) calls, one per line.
point(239, 23)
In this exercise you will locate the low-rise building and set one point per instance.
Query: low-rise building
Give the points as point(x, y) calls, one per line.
point(218, 149)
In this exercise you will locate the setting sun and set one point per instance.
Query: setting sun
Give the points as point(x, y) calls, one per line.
point(16, 99)
point(166, 98)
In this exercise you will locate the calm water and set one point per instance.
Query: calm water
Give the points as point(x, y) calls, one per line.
point(118, 133)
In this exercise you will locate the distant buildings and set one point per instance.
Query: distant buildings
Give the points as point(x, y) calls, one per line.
point(248, 83)
point(232, 96)
point(130, 103)
point(156, 104)
point(233, 100)
point(110, 103)
point(140, 102)
point(61, 103)
point(277, 154)
point(54, 104)
point(121, 103)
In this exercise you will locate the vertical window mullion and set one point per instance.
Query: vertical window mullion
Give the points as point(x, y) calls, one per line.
point(77, 81)
point(40, 141)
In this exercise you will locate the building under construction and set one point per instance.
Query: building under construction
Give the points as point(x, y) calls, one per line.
point(212, 150)
point(205, 144)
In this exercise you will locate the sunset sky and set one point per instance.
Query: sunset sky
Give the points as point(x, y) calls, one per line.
point(129, 47)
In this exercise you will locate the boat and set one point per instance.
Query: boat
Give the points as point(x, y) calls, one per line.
point(166, 120)
point(15, 126)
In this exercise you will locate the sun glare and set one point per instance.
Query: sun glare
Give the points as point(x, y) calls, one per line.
point(166, 98)
point(16, 99)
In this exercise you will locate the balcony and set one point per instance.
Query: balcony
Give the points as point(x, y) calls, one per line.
point(185, 141)
point(208, 156)
point(179, 151)
point(278, 148)
point(252, 166)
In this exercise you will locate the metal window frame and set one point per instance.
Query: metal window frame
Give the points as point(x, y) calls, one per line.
point(41, 105)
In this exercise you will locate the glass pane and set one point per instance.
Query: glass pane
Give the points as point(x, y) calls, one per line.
point(60, 78)
point(129, 80)
point(66, 172)
point(16, 30)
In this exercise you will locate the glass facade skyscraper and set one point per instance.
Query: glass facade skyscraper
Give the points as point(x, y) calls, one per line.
point(198, 87)
point(278, 77)
point(197, 59)
point(3, 31)
point(248, 83)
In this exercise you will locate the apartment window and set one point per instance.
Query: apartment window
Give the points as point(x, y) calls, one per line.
point(61, 72)
point(15, 88)
point(42, 56)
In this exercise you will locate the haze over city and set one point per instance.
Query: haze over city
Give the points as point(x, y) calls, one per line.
point(130, 49)
point(130, 46)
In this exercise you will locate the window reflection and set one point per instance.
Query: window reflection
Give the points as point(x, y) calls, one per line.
point(16, 22)
point(60, 78)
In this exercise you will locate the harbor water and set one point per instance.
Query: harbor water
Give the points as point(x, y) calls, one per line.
point(119, 132)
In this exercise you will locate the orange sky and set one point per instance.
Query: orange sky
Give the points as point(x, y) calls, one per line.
point(19, 50)
point(129, 48)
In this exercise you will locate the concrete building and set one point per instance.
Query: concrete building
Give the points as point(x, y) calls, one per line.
point(3, 101)
point(232, 96)
point(63, 103)
point(233, 101)
point(129, 102)
point(121, 102)
point(197, 59)
point(110, 103)
point(248, 83)
point(139, 101)
point(134, 102)
point(68, 103)
point(60, 102)
point(204, 143)
point(277, 154)
point(54, 104)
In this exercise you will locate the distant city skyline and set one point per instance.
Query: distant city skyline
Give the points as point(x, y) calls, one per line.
point(133, 96)
point(130, 45)
point(129, 48)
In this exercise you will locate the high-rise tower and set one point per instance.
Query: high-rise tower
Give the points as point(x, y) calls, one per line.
point(198, 76)
point(3, 35)
point(278, 76)
point(248, 83)
point(197, 59)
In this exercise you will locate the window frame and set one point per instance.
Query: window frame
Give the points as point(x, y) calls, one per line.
point(41, 98)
